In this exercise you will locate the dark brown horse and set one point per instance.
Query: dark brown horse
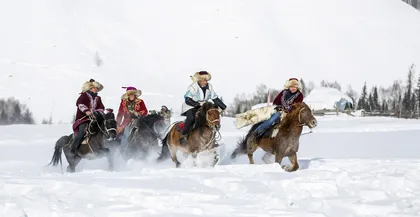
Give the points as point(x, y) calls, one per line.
point(285, 143)
point(100, 132)
point(202, 136)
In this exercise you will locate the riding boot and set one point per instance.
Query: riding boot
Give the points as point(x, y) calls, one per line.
point(78, 138)
point(188, 123)
point(184, 135)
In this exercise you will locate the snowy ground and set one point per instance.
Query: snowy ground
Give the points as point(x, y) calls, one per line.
point(349, 167)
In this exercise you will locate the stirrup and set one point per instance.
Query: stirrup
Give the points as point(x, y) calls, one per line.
point(183, 139)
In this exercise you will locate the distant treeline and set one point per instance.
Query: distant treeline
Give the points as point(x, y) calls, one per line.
point(13, 112)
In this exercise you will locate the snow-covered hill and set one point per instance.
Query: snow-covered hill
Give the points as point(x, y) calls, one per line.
point(48, 48)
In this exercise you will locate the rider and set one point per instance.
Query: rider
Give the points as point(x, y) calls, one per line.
point(131, 107)
point(197, 94)
point(87, 104)
point(166, 114)
point(290, 95)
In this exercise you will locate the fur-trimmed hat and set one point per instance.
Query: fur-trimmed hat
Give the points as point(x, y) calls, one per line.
point(293, 82)
point(92, 83)
point(201, 75)
point(129, 91)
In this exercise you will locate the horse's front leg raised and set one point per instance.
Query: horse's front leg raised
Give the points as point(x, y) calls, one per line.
point(294, 165)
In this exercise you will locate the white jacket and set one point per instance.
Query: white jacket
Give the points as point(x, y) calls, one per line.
point(194, 92)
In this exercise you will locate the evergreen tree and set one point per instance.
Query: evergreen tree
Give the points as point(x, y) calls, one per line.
point(371, 104)
point(375, 99)
point(17, 114)
point(417, 101)
point(4, 120)
point(27, 117)
point(362, 104)
point(407, 100)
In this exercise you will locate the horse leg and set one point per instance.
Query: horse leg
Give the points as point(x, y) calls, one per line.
point(72, 159)
point(251, 149)
point(194, 156)
point(266, 157)
point(294, 163)
point(71, 168)
point(279, 157)
point(108, 154)
point(173, 150)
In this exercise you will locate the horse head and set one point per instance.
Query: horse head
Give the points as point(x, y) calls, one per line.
point(208, 114)
point(107, 125)
point(303, 115)
point(153, 122)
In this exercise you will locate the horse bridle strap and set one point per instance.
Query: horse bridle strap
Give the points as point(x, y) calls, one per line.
point(300, 122)
point(106, 131)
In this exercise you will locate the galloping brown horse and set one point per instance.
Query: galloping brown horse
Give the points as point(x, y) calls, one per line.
point(201, 137)
point(285, 143)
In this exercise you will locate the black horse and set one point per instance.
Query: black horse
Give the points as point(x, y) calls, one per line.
point(101, 130)
point(143, 137)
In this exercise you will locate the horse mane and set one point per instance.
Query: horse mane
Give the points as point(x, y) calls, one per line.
point(150, 120)
point(200, 116)
point(292, 116)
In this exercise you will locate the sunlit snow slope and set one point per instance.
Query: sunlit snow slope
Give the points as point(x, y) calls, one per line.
point(48, 47)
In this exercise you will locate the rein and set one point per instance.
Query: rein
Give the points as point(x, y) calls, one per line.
point(105, 132)
point(216, 135)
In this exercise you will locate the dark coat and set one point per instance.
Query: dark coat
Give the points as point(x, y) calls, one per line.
point(285, 99)
point(86, 102)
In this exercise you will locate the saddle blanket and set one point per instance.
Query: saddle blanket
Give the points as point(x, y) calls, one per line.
point(254, 116)
point(180, 126)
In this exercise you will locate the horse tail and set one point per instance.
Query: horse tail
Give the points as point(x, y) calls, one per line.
point(59, 145)
point(165, 150)
point(240, 148)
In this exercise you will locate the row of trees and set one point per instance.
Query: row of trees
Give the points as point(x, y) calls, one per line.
point(13, 112)
point(401, 99)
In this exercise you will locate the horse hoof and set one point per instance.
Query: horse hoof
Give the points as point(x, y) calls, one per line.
point(216, 160)
point(288, 168)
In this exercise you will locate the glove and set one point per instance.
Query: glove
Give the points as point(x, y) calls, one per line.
point(279, 108)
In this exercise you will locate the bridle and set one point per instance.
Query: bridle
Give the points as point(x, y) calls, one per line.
point(104, 131)
point(300, 122)
point(210, 122)
point(216, 136)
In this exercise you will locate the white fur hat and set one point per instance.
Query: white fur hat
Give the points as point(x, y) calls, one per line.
point(201, 75)
point(293, 82)
point(92, 83)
